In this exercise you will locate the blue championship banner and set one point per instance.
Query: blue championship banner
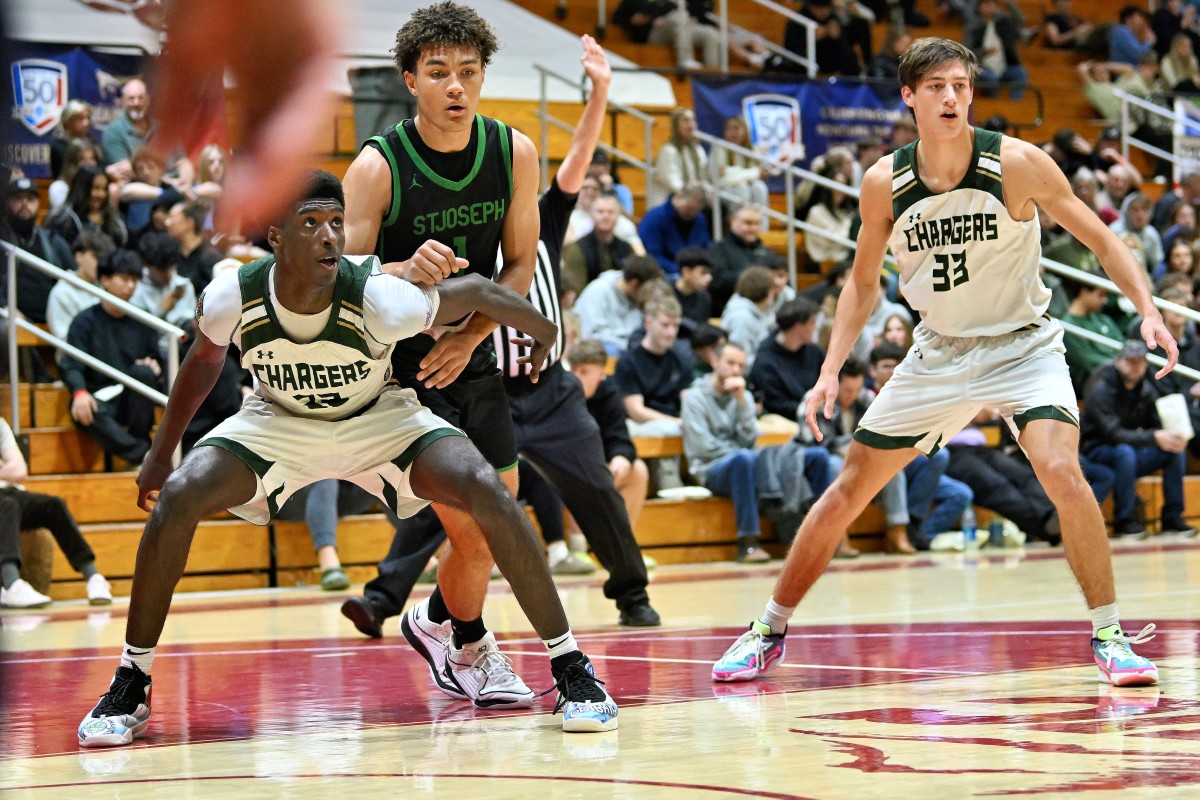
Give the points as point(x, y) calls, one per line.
point(40, 80)
point(795, 121)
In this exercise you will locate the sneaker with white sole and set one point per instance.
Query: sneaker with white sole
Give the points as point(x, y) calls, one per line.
point(586, 705)
point(430, 639)
point(122, 713)
point(1117, 662)
point(573, 564)
point(485, 675)
point(99, 591)
point(755, 652)
point(22, 595)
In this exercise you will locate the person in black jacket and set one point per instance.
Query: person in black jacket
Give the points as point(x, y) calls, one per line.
point(1120, 428)
point(20, 227)
point(788, 363)
point(993, 38)
point(119, 419)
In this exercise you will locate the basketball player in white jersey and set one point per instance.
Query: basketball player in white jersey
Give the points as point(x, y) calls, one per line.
point(958, 208)
point(317, 330)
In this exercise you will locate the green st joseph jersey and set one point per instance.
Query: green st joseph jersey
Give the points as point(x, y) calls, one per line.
point(458, 199)
point(328, 365)
point(966, 266)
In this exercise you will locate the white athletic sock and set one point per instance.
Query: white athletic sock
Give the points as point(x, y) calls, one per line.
point(556, 552)
point(142, 656)
point(561, 645)
point(777, 616)
point(1104, 617)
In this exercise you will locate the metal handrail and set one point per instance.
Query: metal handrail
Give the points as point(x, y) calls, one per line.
point(1113, 344)
point(1127, 139)
point(10, 314)
point(808, 61)
point(648, 123)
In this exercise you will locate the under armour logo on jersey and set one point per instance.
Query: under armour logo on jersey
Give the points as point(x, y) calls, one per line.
point(267, 354)
point(415, 185)
point(912, 218)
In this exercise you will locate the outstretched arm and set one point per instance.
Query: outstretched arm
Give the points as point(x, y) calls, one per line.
point(1033, 181)
point(476, 293)
point(579, 157)
point(197, 375)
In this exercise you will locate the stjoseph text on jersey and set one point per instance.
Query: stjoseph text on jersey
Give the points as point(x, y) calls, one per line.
point(954, 230)
point(480, 213)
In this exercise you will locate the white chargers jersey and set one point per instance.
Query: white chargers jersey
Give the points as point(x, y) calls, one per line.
point(323, 366)
point(966, 266)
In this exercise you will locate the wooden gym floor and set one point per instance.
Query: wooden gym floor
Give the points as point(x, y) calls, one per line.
point(936, 676)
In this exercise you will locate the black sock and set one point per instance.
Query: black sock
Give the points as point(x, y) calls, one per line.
point(438, 613)
point(467, 631)
point(559, 664)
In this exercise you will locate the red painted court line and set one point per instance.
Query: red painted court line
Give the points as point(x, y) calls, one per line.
point(697, 787)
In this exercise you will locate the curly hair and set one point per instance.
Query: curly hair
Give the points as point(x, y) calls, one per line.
point(445, 24)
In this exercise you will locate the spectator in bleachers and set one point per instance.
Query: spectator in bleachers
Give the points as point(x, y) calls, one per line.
point(903, 132)
point(1062, 29)
point(898, 330)
point(602, 169)
point(835, 53)
point(993, 37)
point(831, 283)
point(885, 66)
point(1179, 64)
point(652, 375)
point(1086, 188)
point(630, 474)
point(705, 341)
point(783, 291)
point(739, 174)
point(583, 221)
point(1135, 219)
point(162, 291)
point(1119, 183)
point(210, 174)
point(65, 300)
point(600, 250)
point(788, 362)
point(185, 224)
point(119, 419)
point(691, 287)
point(1120, 429)
point(20, 227)
point(831, 211)
point(678, 223)
point(741, 248)
point(666, 22)
point(899, 12)
point(1188, 192)
point(1171, 19)
point(681, 161)
point(1131, 37)
point(1180, 259)
point(75, 123)
point(129, 132)
point(1070, 151)
point(89, 207)
point(867, 151)
point(140, 194)
point(883, 310)
point(1086, 310)
point(748, 316)
point(719, 435)
point(1182, 227)
point(21, 510)
point(80, 151)
point(607, 307)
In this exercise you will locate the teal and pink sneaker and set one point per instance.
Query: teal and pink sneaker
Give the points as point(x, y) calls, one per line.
point(1118, 664)
point(755, 652)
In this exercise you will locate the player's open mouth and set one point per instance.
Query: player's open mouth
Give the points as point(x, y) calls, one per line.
point(949, 115)
point(329, 262)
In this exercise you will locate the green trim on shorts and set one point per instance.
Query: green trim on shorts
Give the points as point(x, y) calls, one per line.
point(390, 495)
point(509, 467)
point(259, 465)
point(405, 459)
point(1044, 412)
point(273, 502)
point(881, 441)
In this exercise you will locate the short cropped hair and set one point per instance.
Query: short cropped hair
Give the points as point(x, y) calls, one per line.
point(795, 312)
point(668, 306)
point(120, 262)
point(886, 351)
point(755, 283)
point(587, 351)
point(930, 52)
point(640, 268)
point(93, 242)
point(852, 368)
point(158, 249)
point(445, 24)
point(690, 257)
point(322, 185)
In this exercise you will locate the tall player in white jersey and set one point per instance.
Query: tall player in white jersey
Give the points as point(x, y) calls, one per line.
point(958, 208)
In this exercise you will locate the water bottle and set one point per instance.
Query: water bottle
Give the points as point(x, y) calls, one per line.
point(969, 528)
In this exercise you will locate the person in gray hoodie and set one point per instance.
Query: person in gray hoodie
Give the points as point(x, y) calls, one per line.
point(1135, 219)
point(749, 316)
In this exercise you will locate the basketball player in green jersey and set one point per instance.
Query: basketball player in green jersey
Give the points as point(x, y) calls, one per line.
point(958, 208)
point(436, 197)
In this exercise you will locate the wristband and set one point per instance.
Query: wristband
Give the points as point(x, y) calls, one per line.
point(78, 392)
